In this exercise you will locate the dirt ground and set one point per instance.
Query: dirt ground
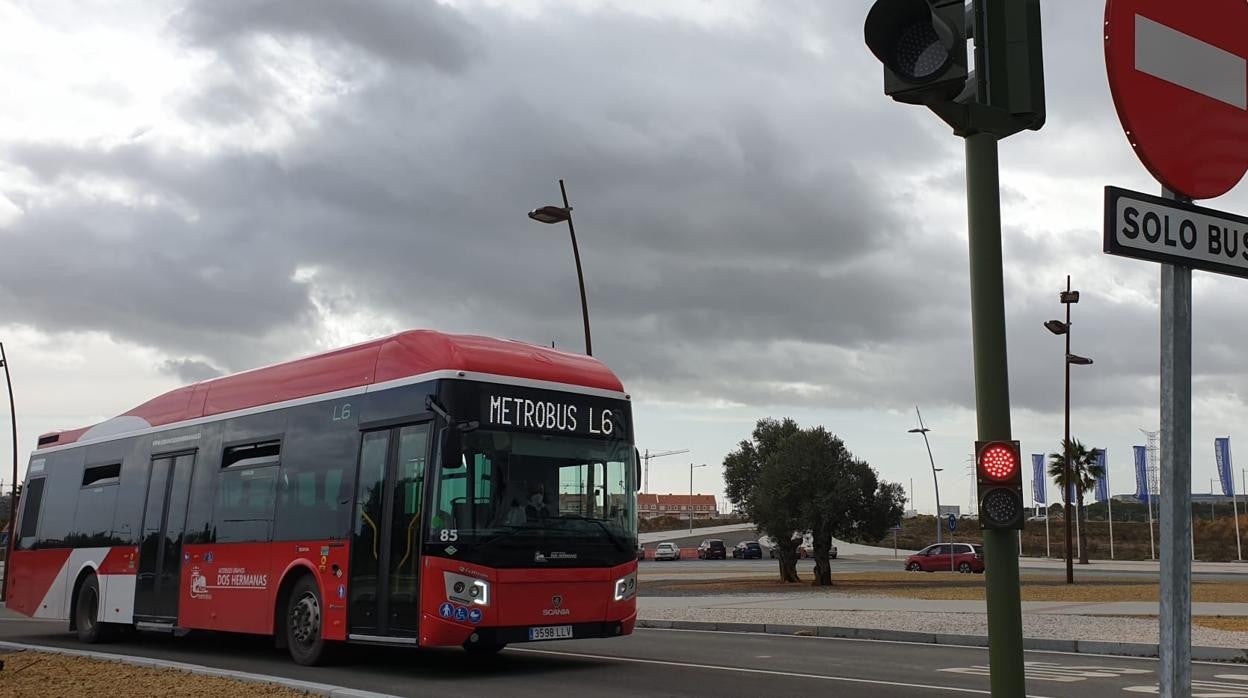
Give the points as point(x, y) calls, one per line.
point(941, 586)
point(27, 674)
point(1237, 624)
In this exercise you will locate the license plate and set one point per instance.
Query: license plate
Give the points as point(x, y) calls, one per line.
point(551, 632)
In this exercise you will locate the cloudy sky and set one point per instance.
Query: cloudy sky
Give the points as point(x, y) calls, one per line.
point(195, 187)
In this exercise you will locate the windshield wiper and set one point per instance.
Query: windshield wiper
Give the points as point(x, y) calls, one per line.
point(615, 540)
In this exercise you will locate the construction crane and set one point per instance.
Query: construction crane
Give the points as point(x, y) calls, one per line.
point(657, 454)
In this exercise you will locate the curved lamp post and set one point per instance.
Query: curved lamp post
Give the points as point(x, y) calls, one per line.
point(935, 483)
point(4, 361)
point(556, 214)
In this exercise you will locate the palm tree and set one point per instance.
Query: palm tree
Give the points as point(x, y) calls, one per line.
point(1086, 472)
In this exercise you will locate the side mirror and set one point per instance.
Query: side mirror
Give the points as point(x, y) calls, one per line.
point(637, 470)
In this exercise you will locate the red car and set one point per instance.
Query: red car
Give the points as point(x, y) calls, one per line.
point(947, 557)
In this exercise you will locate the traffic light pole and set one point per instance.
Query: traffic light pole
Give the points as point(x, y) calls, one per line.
point(992, 405)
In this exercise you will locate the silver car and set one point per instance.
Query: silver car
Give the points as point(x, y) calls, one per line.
point(667, 551)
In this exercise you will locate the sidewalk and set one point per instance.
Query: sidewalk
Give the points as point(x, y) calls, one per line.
point(825, 602)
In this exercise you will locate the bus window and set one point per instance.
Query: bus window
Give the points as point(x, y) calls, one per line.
point(32, 500)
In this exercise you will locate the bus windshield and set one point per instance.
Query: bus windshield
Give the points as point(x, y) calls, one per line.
point(567, 496)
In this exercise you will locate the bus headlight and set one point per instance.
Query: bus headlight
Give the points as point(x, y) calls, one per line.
point(625, 587)
point(479, 592)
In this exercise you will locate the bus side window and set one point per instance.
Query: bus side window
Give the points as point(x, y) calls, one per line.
point(32, 500)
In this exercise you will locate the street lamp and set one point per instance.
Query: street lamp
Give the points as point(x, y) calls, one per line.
point(1068, 298)
point(691, 467)
point(935, 483)
point(556, 214)
point(4, 589)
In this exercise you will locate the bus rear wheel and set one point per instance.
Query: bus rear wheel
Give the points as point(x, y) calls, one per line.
point(87, 613)
point(304, 624)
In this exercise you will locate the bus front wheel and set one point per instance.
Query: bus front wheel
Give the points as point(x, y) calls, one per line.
point(304, 632)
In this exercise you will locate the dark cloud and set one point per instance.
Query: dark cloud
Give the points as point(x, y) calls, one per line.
point(757, 222)
point(397, 32)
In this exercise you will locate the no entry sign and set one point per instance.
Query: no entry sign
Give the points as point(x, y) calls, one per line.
point(1179, 77)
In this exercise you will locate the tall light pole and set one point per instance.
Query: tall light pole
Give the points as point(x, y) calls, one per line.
point(8, 381)
point(691, 467)
point(555, 214)
point(935, 483)
point(1068, 298)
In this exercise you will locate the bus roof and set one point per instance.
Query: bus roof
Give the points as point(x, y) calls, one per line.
point(403, 355)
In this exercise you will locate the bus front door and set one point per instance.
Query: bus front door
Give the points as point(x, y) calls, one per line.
point(160, 549)
point(385, 541)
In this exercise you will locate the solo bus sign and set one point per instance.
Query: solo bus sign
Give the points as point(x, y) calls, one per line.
point(1163, 230)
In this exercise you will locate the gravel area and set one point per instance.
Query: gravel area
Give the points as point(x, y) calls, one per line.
point(30, 673)
point(1062, 627)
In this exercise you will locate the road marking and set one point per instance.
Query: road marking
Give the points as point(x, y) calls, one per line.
point(1206, 688)
point(1061, 673)
point(980, 648)
point(764, 672)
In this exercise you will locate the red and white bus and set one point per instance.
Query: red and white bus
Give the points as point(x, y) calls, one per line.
point(423, 489)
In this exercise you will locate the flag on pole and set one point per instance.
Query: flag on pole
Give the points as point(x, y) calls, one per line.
point(1141, 473)
point(1222, 453)
point(1038, 477)
point(1102, 482)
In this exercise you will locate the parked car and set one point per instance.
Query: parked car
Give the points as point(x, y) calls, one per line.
point(667, 551)
point(748, 550)
point(944, 557)
point(805, 550)
point(1038, 517)
point(712, 549)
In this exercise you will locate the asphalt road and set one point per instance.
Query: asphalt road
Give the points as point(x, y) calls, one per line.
point(664, 663)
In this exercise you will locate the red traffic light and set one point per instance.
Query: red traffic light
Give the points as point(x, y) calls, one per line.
point(998, 461)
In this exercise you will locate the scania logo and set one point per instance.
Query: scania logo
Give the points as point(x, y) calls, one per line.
point(558, 610)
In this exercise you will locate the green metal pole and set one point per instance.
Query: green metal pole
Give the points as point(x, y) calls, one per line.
point(992, 405)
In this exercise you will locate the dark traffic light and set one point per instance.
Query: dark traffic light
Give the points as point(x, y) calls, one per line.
point(999, 477)
point(922, 44)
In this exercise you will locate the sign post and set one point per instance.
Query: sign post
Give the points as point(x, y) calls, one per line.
point(1179, 79)
point(953, 526)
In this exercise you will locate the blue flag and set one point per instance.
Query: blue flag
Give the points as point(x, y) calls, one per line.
point(1222, 453)
point(1141, 473)
point(1039, 478)
point(1102, 482)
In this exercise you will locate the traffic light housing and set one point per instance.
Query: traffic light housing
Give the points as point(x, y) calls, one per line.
point(922, 44)
point(999, 481)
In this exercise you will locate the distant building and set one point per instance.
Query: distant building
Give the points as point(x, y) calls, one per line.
point(650, 506)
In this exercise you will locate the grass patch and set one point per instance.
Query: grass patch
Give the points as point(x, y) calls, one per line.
point(48, 674)
point(957, 587)
point(1235, 624)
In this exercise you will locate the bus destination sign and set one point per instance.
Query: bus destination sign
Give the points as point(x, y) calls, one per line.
point(558, 414)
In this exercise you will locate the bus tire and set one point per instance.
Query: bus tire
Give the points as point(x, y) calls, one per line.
point(304, 620)
point(87, 612)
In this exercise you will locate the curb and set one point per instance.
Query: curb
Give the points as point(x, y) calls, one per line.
point(1126, 649)
point(320, 689)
